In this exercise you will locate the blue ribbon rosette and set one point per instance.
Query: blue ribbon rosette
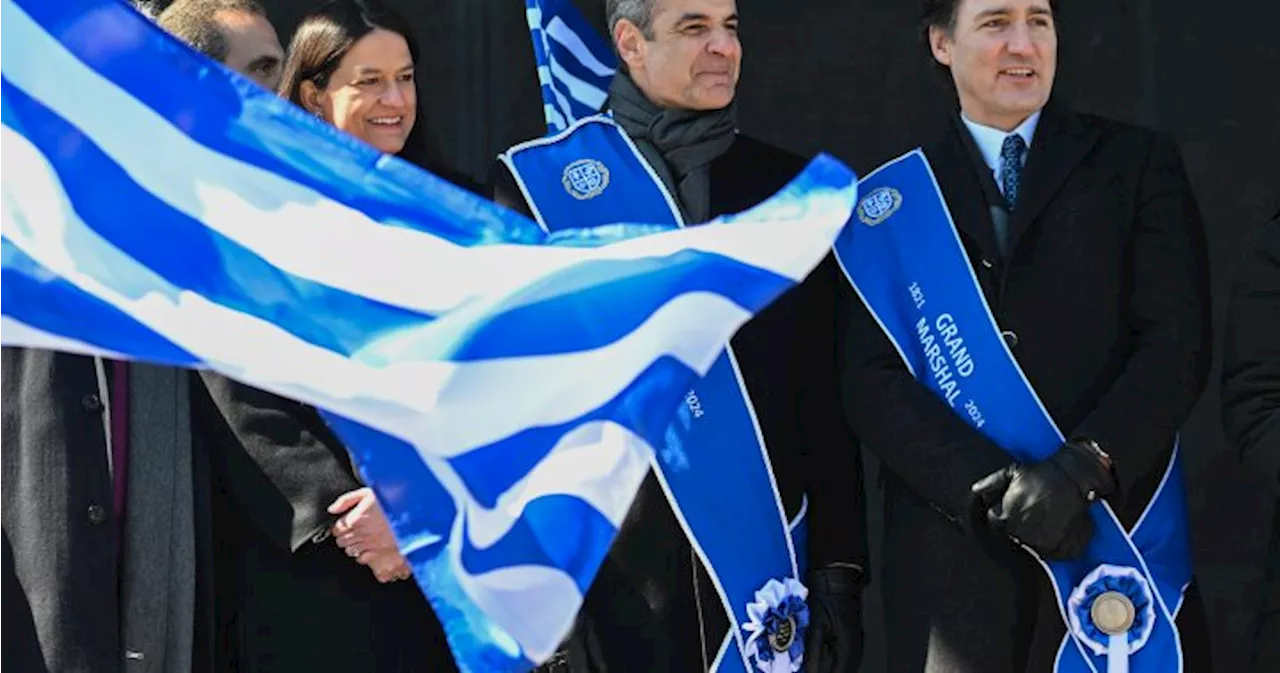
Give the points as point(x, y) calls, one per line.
point(1112, 612)
point(779, 621)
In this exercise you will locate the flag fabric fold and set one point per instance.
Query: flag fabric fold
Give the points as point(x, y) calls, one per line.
point(500, 391)
point(575, 65)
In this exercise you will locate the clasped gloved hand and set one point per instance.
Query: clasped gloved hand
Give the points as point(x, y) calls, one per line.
point(834, 641)
point(1045, 505)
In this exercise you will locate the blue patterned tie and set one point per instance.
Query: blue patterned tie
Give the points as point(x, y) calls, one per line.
point(1011, 153)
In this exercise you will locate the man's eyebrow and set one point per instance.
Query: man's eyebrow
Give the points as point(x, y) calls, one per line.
point(992, 12)
point(690, 17)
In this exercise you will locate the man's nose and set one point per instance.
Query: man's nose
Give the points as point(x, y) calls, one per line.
point(724, 42)
point(1020, 41)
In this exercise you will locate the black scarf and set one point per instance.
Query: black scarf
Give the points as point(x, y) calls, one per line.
point(679, 144)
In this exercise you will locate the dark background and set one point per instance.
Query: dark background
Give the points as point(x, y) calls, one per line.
point(851, 77)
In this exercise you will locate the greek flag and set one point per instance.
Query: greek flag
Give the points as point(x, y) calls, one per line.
point(499, 389)
point(575, 66)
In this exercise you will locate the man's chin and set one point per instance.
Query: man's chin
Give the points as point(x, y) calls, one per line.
point(717, 99)
point(1025, 105)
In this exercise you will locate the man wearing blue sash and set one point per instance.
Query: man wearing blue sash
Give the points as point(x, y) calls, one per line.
point(708, 572)
point(1029, 331)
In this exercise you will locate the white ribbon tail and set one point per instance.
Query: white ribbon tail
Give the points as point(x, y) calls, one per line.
point(1118, 653)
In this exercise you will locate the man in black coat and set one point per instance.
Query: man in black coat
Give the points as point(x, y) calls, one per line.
point(1090, 252)
point(105, 513)
point(1251, 403)
point(108, 544)
point(652, 606)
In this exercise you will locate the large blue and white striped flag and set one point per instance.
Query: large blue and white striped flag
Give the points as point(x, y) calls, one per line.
point(500, 391)
point(575, 65)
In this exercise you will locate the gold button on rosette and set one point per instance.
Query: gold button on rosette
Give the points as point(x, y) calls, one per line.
point(1112, 612)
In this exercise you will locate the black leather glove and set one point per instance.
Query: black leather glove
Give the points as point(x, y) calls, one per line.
point(833, 643)
point(1045, 505)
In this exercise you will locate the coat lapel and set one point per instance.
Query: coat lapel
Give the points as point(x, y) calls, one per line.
point(1061, 141)
point(953, 163)
point(158, 576)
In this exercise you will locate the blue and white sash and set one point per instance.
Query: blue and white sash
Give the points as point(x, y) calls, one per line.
point(713, 467)
point(905, 260)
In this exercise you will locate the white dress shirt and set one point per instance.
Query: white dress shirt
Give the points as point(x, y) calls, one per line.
point(990, 141)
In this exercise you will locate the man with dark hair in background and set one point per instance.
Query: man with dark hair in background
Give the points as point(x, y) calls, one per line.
point(107, 557)
point(1087, 247)
point(235, 33)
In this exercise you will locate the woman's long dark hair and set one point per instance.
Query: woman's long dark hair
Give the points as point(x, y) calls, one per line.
point(326, 35)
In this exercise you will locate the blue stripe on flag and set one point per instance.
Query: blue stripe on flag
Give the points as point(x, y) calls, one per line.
point(556, 531)
point(39, 298)
point(648, 284)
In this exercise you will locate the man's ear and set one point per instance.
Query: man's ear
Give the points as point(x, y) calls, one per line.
point(630, 42)
point(940, 45)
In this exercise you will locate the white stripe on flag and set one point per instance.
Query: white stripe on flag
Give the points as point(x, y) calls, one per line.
point(544, 76)
point(584, 92)
point(533, 15)
point(596, 453)
point(560, 32)
point(504, 595)
point(547, 80)
point(554, 119)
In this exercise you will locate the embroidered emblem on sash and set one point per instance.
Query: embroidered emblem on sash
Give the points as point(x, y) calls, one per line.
point(585, 178)
point(877, 206)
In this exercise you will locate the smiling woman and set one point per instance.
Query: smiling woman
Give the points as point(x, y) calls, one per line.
point(351, 63)
point(313, 577)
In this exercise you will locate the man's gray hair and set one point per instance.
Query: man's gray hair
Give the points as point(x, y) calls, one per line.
point(639, 12)
point(196, 23)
